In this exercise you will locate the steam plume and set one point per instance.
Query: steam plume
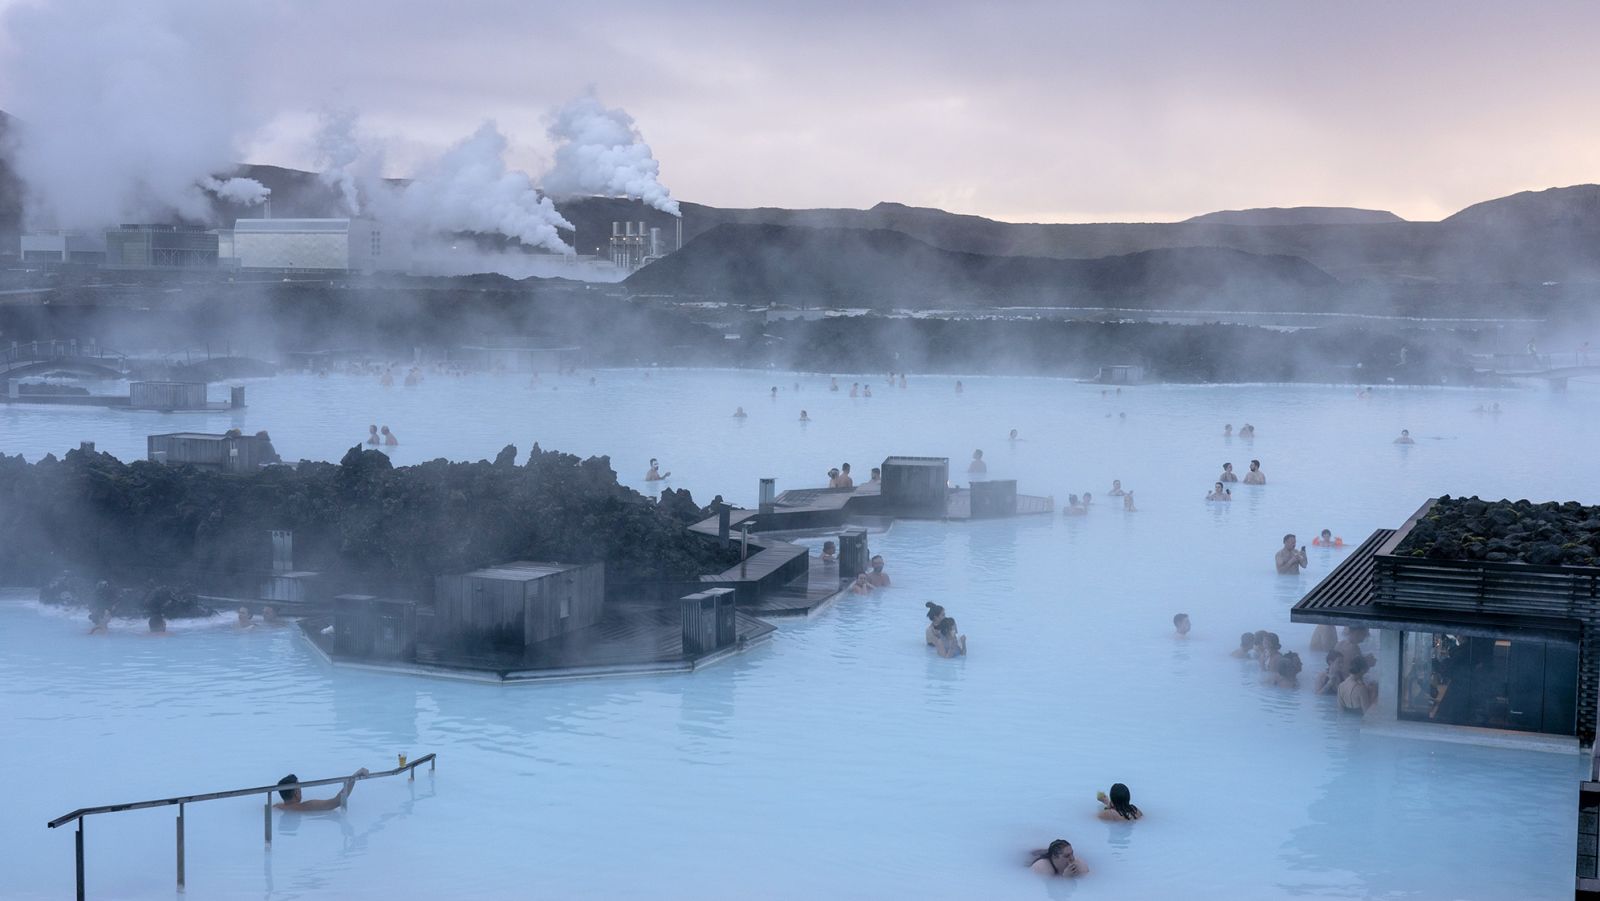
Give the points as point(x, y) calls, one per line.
point(470, 189)
point(600, 151)
point(337, 154)
point(124, 109)
point(243, 191)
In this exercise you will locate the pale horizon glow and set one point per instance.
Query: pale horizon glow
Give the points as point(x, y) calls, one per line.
point(1023, 111)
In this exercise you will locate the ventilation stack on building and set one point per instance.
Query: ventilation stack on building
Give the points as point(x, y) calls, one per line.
point(635, 244)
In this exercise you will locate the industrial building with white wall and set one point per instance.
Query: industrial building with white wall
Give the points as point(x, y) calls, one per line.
point(344, 245)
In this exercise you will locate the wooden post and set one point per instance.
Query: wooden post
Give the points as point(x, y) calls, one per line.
point(180, 847)
point(80, 858)
point(266, 816)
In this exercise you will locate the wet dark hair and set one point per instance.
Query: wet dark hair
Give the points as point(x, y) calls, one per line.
point(290, 780)
point(1122, 802)
point(1048, 853)
point(947, 627)
point(1289, 665)
point(1179, 617)
point(1358, 666)
point(1247, 640)
point(935, 612)
point(1273, 640)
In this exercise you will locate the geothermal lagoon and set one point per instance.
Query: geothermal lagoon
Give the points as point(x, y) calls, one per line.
point(842, 758)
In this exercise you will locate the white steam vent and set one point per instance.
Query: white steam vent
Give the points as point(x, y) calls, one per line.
point(600, 151)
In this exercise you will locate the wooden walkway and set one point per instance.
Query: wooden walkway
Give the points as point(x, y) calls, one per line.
point(802, 597)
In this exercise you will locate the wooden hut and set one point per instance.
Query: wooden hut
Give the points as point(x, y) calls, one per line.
point(517, 604)
point(227, 453)
point(915, 486)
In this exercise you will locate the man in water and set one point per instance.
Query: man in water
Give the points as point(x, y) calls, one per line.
point(294, 801)
point(389, 440)
point(655, 474)
point(877, 476)
point(739, 413)
point(1405, 437)
point(845, 481)
point(1289, 560)
point(877, 578)
point(1013, 436)
point(977, 466)
point(804, 417)
point(1116, 488)
point(1255, 476)
point(1180, 625)
point(1227, 474)
point(372, 435)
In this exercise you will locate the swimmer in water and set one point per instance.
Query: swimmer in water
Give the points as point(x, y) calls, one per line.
point(830, 552)
point(959, 388)
point(1405, 437)
point(100, 620)
point(1074, 506)
point(293, 800)
point(1013, 436)
point(1227, 473)
point(1246, 648)
point(1219, 493)
point(739, 413)
point(804, 417)
point(1227, 430)
point(861, 585)
point(877, 578)
point(1180, 625)
point(1288, 560)
point(845, 480)
point(833, 384)
point(1327, 539)
point(1247, 431)
point(1328, 680)
point(1116, 488)
point(387, 380)
point(1057, 860)
point(1119, 806)
point(877, 476)
point(1088, 500)
point(244, 619)
point(951, 643)
point(372, 435)
point(655, 474)
point(977, 465)
point(866, 390)
point(935, 616)
point(1287, 672)
point(774, 392)
point(1355, 693)
point(902, 380)
point(389, 440)
point(1324, 637)
point(1127, 503)
point(1255, 476)
point(855, 389)
point(1271, 652)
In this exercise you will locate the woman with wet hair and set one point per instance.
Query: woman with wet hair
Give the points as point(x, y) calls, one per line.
point(951, 643)
point(935, 616)
point(1271, 651)
point(1057, 860)
point(1119, 806)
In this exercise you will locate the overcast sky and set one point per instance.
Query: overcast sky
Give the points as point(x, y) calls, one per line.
point(1063, 111)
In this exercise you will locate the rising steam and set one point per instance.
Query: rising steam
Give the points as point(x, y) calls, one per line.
point(600, 151)
point(242, 191)
point(338, 152)
point(470, 189)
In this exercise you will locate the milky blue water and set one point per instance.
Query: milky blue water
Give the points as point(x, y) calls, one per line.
point(841, 759)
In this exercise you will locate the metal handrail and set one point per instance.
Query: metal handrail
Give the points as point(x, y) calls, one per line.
point(78, 815)
point(237, 793)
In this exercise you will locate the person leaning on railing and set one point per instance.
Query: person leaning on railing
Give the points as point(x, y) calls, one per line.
point(292, 799)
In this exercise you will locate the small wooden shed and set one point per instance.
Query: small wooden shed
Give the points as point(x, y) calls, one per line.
point(228, 453)
point(517, 604)
point(167, 395)
point(916, 485)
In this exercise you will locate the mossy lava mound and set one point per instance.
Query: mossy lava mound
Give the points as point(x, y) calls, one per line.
point(1505, 531)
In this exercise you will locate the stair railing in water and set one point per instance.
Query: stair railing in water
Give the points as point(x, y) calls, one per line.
point(409, 768)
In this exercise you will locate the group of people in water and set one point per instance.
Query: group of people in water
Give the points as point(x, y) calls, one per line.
point(1344, 675)
point(381, 437)
point(941, 634)
point(1059, 860)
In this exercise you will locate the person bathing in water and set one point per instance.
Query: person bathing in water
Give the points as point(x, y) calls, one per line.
point(1327, 539)
point(1127, 503)
point(977, 466)
point(951, 643)
point(294, 801)
point(1405, 437)
point(935, 617)
point(1057, 860)
point(655, 474)
point(1246, 648)
point(1116, 489)
point(877, 578)
point(1255, 476)
point(830, 552)
point(389, 440)
point(372, 436)
point(739, 413)
point(1118, 806)
point(1219, 493)
point(1288, 560)
point(1227, 473)
point(1180, 625)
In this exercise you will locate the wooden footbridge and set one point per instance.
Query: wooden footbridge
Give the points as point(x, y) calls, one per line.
point(1554, 369)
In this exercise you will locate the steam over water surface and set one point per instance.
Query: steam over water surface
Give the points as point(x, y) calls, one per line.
point(842, 759)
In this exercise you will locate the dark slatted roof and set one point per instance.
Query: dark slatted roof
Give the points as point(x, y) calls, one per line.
point(1350, 583)
point(1345, 597)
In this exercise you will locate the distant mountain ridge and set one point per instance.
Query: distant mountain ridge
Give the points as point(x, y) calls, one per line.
point(1297, 215)
point(883, 268)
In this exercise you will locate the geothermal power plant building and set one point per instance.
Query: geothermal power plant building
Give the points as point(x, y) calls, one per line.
point(342, 245)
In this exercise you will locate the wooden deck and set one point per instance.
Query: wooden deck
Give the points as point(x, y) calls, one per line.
point(805, 596)
point(631, 639)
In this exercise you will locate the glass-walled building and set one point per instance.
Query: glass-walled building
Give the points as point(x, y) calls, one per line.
point(1524, 685)
point(161, 247)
